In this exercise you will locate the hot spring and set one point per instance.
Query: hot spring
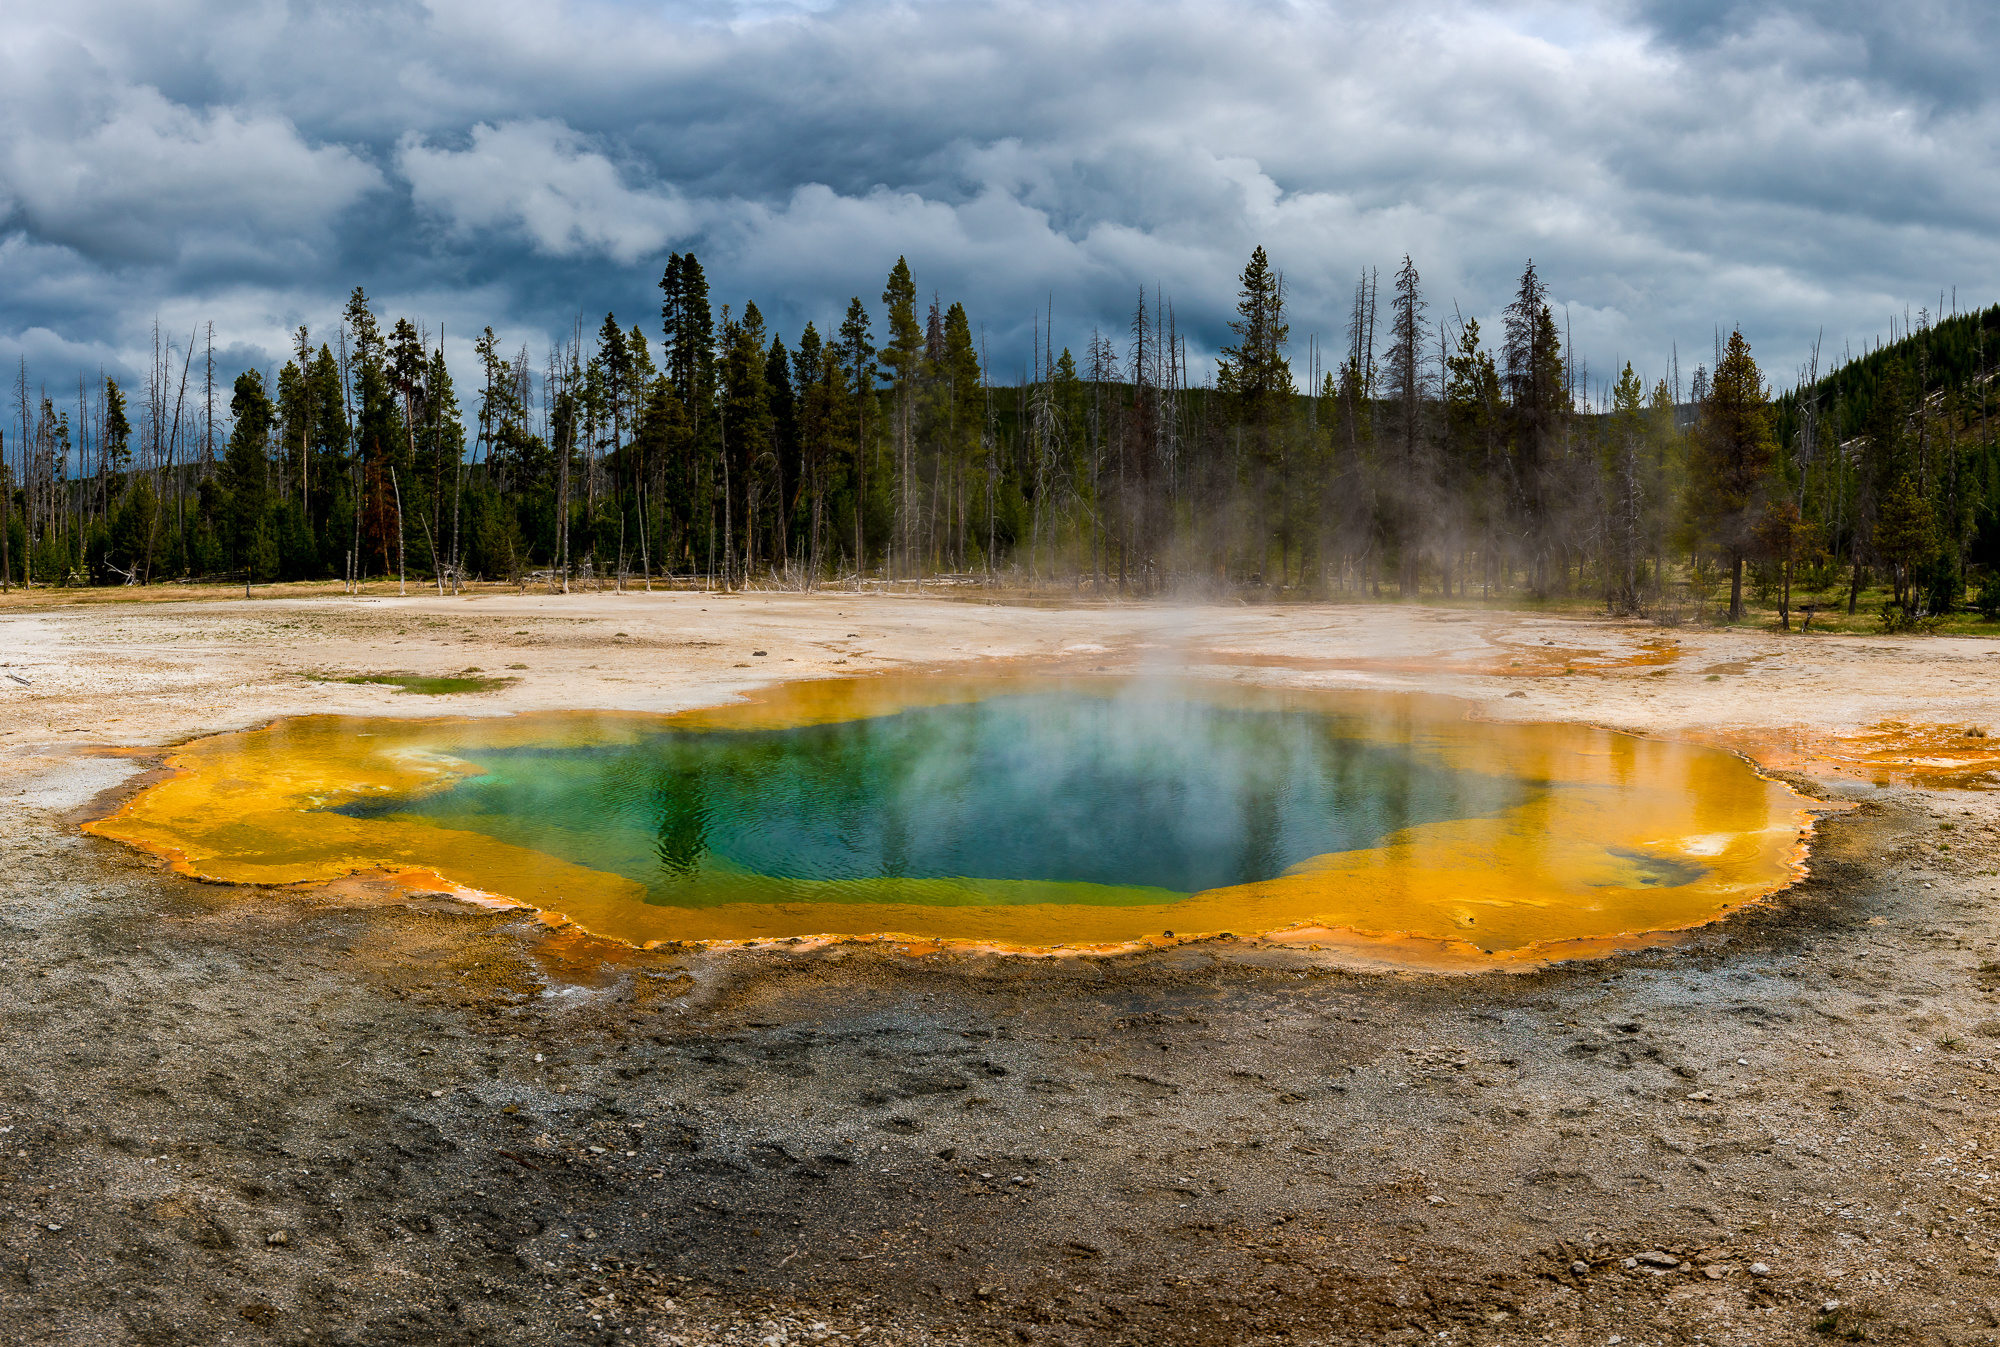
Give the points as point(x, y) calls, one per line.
point(1019, 812)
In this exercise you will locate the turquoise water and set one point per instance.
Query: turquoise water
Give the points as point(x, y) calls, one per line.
point(1133, 797)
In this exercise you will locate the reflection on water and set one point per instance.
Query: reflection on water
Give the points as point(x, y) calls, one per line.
point(1148, 791)
point(1017, 811)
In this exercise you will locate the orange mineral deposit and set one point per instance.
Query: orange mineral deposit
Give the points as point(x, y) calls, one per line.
point(1020, 811)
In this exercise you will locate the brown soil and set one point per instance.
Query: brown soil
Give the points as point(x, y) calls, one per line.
point(352, 1116)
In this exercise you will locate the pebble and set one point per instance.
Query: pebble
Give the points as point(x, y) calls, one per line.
point(1760, 1269)
point(279, 1239)
point(1579, 1267)
point(1654, 1258)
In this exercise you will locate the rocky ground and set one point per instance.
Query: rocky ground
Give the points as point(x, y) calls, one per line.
point(349, 1116)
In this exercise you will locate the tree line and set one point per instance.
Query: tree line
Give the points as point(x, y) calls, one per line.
point(1420, 459)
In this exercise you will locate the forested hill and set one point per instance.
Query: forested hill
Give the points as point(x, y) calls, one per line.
point(1427, 458)
point(1950, 356)
point(1893, 459)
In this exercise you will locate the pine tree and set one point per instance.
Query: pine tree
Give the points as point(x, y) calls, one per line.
point(857, 350)
point(243, 476)
point(689, 328)
point(1256, 377)
point(1536, 392)
point(1255, 370)
point(1906, 537)
point(784, 446)
point(1733, 453)
point(1473, 427)
point(820, 389)
point(117, 432)
point(746, 435)
point(902, 363)
point(1624, 492)
point(1410, 498)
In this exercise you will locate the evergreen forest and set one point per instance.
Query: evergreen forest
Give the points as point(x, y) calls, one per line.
point(1425, 459)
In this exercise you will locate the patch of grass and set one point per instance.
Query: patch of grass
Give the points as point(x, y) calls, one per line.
point(429, 686)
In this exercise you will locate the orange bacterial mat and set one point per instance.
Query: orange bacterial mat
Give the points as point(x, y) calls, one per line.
point(1019, 811)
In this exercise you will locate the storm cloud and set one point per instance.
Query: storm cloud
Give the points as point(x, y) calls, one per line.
point(1671, 167)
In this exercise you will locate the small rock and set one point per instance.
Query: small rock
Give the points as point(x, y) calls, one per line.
point(596, 1150)
point(1654, 1258)
point(984, 1293)
point(1760, 1269)
point(437, 1094)
point(1435, 1200)
point(55, 1227)
point(1631, 1262)
point(279, 1239)
point(1830, 1306)
point(1715, 1272)
point(1614, 1340)
point(588, 1233)
point(1701, 1097)
point(1579, 1267)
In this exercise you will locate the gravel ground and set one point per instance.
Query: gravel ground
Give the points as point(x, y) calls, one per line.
point(348, 1115)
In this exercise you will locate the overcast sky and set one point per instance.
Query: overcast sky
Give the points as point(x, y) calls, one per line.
point(1785, 168)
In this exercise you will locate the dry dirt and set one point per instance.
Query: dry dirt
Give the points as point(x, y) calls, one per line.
point(348, 1116)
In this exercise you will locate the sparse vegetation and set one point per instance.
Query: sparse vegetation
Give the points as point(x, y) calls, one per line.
point(426, 685)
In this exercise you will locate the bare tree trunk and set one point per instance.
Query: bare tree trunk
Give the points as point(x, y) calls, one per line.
point(402, 573)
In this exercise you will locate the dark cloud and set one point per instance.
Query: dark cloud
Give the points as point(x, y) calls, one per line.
point(1786, 168)
point(1934, 54)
